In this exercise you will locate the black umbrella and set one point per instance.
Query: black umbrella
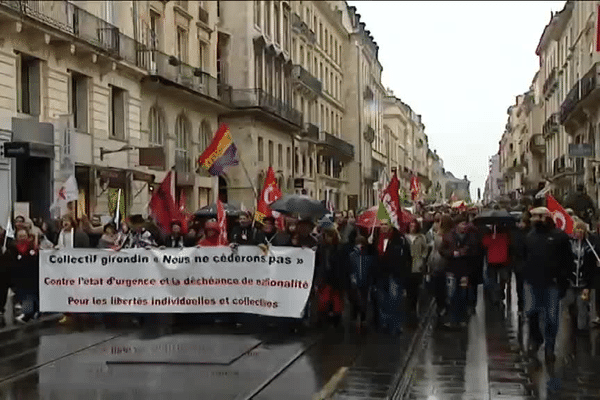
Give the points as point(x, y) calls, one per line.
point(495, 217)
point(211, 211)
point(300, 204)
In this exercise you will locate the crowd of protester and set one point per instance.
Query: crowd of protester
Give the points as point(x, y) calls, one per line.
point(364, 277)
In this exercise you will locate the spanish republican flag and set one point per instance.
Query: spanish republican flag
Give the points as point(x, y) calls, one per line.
point(221, 152)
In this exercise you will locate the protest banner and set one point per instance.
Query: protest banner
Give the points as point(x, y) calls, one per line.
point(191, 280)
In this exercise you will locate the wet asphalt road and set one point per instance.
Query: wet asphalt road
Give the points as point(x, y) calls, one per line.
point(482, 361)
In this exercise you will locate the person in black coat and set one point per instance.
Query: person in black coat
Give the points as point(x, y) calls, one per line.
point(25, 274)
point(243, 233)
point(548, 260)
point(461, 248)
point(394, 263)
point(175, 240)
point(329, 278)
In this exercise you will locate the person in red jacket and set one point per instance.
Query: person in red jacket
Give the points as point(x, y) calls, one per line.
point(211, 235)
point(497, 262)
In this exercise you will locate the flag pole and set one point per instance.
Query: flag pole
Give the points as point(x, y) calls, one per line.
point(6, 231)
point(248, 177)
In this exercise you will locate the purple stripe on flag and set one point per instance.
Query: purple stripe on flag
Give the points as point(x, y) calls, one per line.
point(229, 158)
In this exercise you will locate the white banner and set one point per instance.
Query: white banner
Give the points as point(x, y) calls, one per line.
point(191, 280)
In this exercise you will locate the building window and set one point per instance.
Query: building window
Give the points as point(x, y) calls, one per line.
point(280, 155)
point(286, 31)
point(205, 136)
point(182, 141)
point(271, 156)
point(258, 66)
point(202, 53)
point(117, 112)
point(267, 29)
point(261, 155)
point(326, 38)
point(79, 101)
point(182, 44)
point(277, 24)
point(289, 157)
point(257, 6)
point(29, 85)
point(155, 127)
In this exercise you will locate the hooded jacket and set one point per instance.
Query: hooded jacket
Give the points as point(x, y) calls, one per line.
point(548, 257)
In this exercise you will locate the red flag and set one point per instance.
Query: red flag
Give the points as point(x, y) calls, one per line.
point(162, 205)
point(561, 218)
point(391, 201)
point(415, 187)
point(222, 221)
point(183, 213)
point(269, 194)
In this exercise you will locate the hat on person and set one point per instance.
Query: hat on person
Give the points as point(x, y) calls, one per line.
point(540, 211)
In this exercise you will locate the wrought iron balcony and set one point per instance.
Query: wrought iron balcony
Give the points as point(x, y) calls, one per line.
point(311, 131)
point(537, 144)
point(550, 83)
point(258, 98)
point(105, 37)
point(300, 27)
point(173, 70)
point(337, 146)
point(306, 79)
point(580, 91)
point(551, 125)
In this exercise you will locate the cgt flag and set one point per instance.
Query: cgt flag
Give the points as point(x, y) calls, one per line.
point(269, 194)
point(561, 218)
point(391, 201)
point(221, 152)
point(415, 188)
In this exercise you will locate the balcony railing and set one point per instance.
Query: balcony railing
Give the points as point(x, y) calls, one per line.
point(303, 76)
point(340, 144)
point(300, 26)
point(537, 144)
point(249, 98)
point(173, 70)
point(77, 22)
point(580, 90)
point(550, 83)
point(551, 125)
point(311, 131)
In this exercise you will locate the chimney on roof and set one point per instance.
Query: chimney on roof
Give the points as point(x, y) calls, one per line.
point(466, 178)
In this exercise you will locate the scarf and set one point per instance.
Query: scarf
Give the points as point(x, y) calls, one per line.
point(381, 244)
point(23, 247)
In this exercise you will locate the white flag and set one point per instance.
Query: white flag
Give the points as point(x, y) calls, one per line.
point(68, 192)
point(10, 231)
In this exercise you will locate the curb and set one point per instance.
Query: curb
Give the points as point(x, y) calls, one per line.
point(39, 323)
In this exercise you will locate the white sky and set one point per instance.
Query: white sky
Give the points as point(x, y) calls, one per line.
point(460, 65)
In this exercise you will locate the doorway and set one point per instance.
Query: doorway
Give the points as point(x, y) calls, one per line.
point(222, 189)
point(34, 185)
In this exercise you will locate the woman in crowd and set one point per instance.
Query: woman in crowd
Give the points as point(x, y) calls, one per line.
point(394, 265)
point(361, 263)
point(437, 264)
point(418, 252)
point(70, 237)
point(329, 278)
point(25, 274)
point(108, 240)
point(580, 278)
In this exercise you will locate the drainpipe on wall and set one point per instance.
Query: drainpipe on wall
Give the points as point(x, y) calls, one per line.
point(360, 128)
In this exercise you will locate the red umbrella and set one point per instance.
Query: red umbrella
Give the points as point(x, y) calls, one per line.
point(368, 219)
